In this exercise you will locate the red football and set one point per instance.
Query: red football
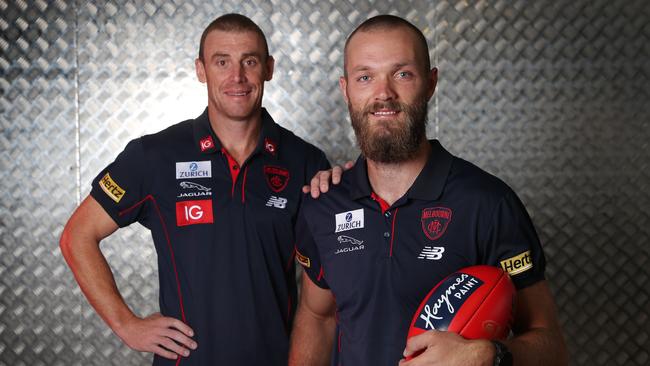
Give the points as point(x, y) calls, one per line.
point(476, 302)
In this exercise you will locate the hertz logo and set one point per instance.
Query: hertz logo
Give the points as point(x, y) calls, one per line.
point(111, 188)
point(517, 264)
point(304, 260)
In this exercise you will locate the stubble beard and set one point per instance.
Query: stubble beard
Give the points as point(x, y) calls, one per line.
point(396, 141)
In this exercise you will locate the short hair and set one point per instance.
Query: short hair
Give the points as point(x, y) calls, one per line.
point(388, 22)
point(233, 22)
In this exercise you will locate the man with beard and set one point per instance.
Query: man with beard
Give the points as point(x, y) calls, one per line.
point(369, 247)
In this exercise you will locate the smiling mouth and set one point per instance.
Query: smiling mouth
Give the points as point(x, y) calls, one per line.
point(238, 93)
point(385, 113)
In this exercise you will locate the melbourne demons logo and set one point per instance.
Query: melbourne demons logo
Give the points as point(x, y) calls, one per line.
point(435, 221)
point(276, 177)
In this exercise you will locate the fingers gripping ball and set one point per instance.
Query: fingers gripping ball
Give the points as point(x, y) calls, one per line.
point(476, 302)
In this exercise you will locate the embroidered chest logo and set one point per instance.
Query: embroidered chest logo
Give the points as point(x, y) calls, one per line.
point(349, 243)
point(206, 143)
point(276, 177)
point(270, 146)
point(435, 221)
point(349, 220)
point(277, 202)
point(192, 189)
point(194, 212)
point(193, 169)
point(431, 253)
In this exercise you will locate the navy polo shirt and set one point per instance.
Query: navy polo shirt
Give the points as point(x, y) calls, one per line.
point(380, 261)
point(223, 233)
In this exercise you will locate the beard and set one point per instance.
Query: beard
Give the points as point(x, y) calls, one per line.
point(391, 141)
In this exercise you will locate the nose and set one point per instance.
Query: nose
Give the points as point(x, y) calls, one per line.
point(384, 90)
point(239, 74)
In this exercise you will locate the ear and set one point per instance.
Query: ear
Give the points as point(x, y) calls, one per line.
point(432, 81)
point(343, 85)
point(200, 70)
point(270, 65)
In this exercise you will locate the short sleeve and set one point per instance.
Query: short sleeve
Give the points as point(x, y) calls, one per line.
point(315, 163)
point(513, 243)
point(307, 252)
point(120, 187)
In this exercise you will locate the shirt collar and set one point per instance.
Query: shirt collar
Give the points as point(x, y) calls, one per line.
point(207, 142)
point(359, 183)
point(427, 186)
point(433, 177)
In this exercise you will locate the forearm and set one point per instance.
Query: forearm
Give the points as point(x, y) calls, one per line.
point(538, 336)
point(312, 339)
point(542, 346)
point(89, 267)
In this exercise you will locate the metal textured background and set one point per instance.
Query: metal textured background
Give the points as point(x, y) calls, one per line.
point(552, 96)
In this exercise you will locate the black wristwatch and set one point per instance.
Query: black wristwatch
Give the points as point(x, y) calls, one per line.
point(502, 356)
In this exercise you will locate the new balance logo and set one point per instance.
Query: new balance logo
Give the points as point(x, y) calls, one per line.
point(431, 253)
point(277, 202)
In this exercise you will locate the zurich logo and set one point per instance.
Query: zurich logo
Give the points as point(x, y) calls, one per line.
point(349, 220)
point(194, 167)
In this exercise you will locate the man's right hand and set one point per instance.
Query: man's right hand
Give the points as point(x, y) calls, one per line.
point(320, 183)
point(164, 336)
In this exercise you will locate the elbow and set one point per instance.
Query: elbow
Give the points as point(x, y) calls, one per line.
point(65, 243)
point(69, 243)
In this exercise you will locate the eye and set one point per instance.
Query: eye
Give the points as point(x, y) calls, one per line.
point(221, 62)
point(404, 75)
point(250, 62)
point(363, 78)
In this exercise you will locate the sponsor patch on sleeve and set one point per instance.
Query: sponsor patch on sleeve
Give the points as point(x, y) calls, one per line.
point(304, 260)
point(517, 264)
point(114, 191)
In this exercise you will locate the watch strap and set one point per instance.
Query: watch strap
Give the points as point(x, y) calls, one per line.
point(502, 355)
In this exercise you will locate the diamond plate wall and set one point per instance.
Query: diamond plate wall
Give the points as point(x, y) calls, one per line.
point(550, 95)
point(38, 175)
